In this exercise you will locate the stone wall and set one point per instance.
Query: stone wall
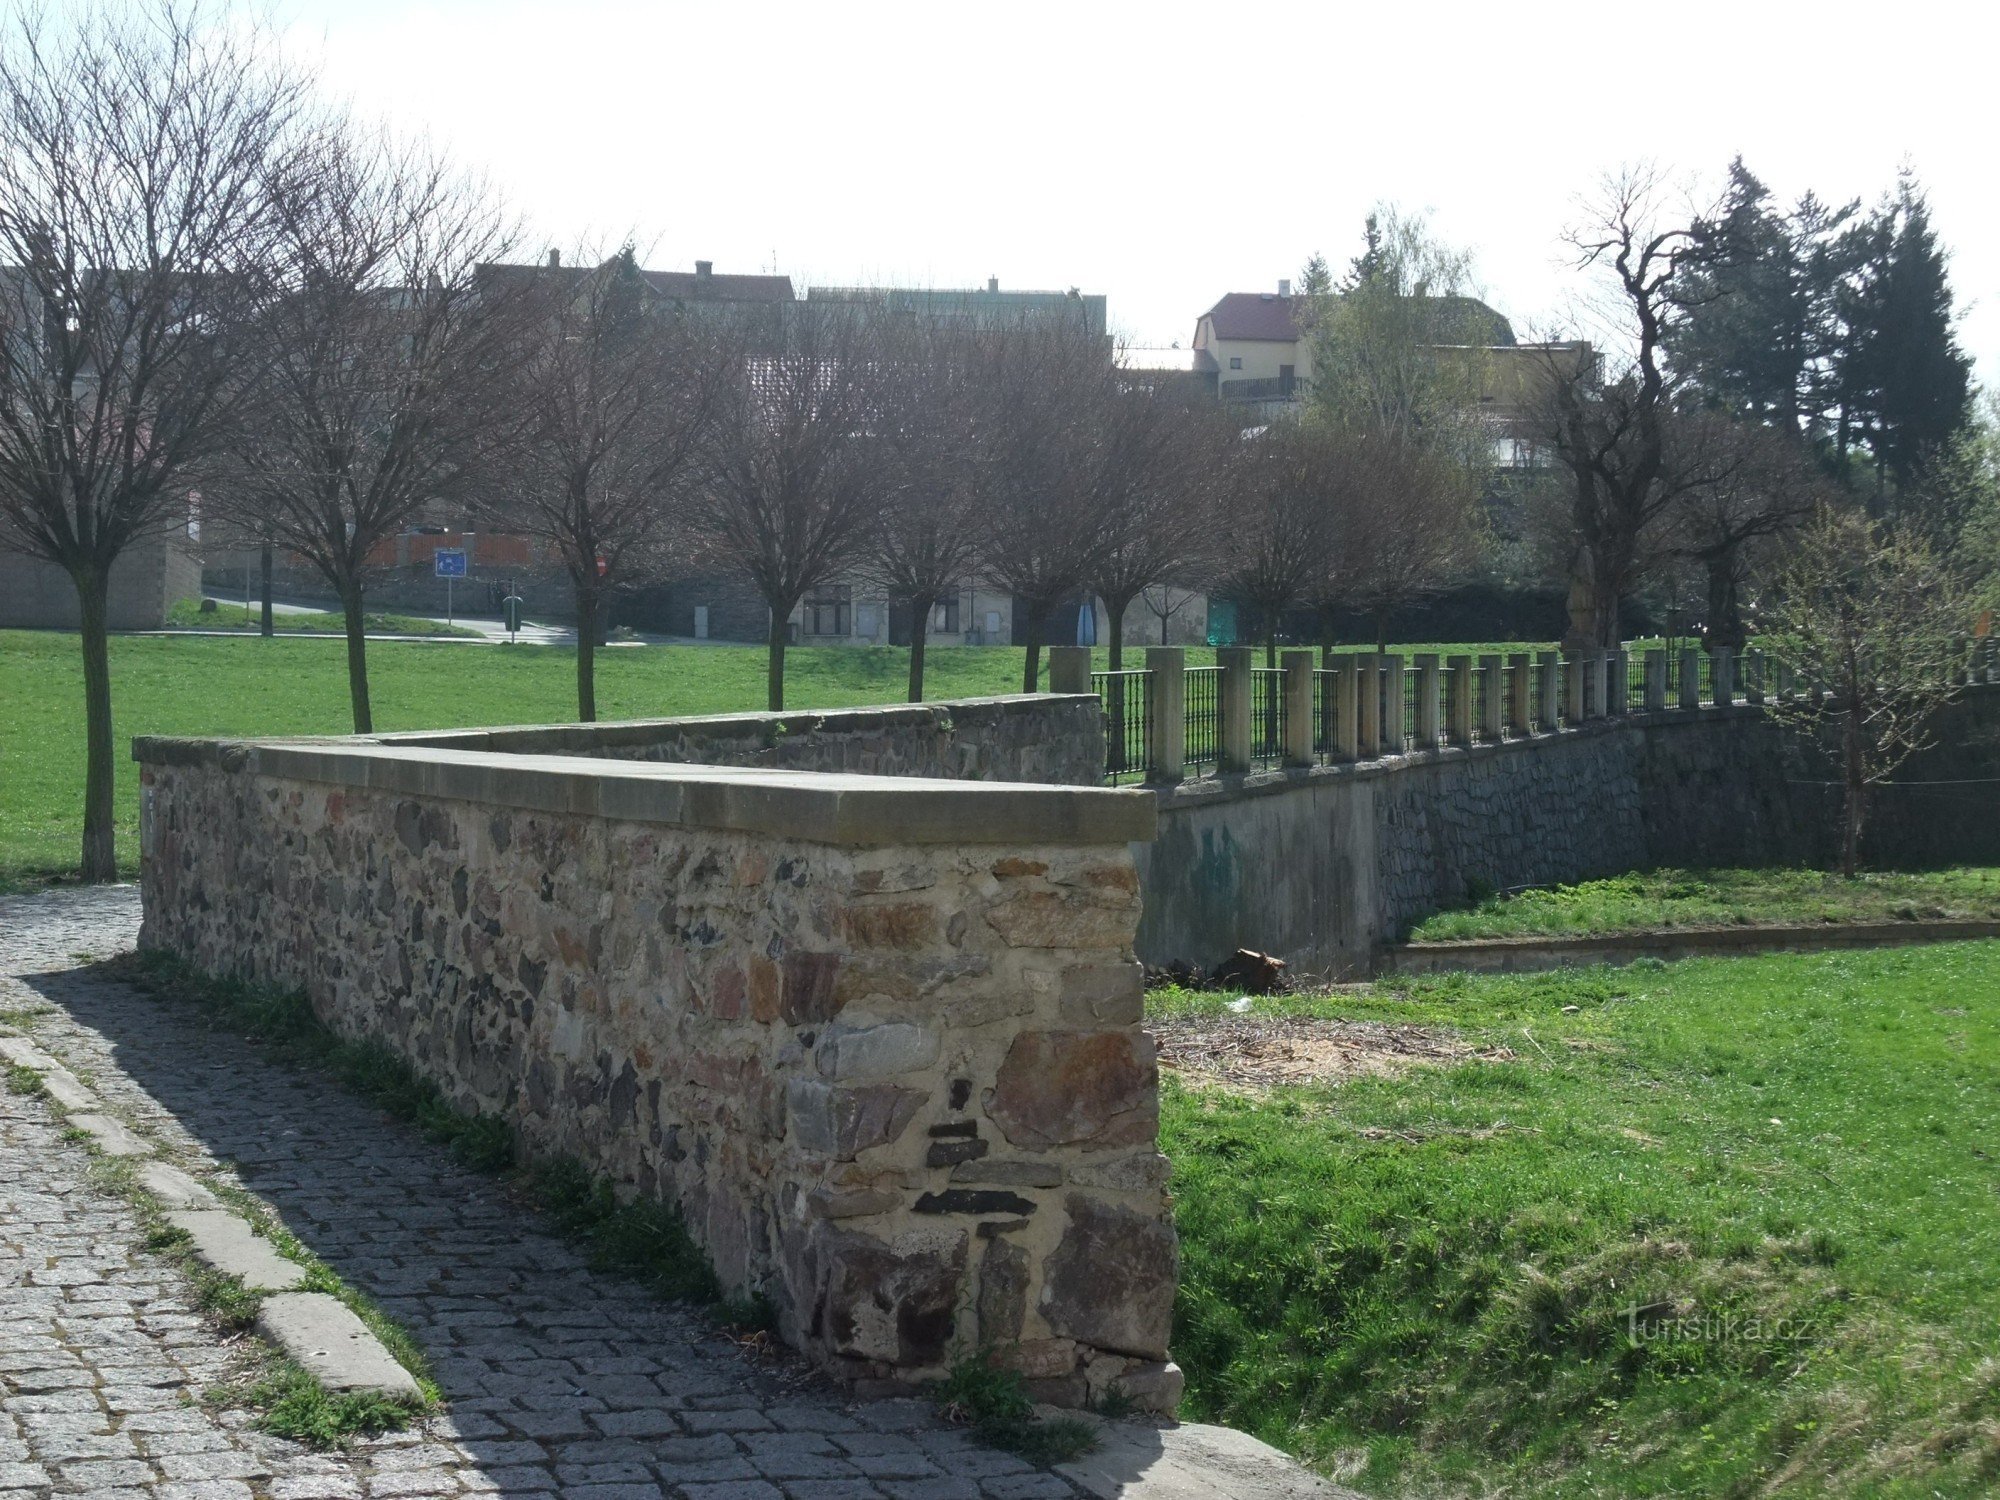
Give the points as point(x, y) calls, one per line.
point(877, 1039)
point(1044, 738)
point(148, 579)
point(1324, 865)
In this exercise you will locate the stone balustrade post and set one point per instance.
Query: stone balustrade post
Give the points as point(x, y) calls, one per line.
point(1166, 753)
point(1069, 669)
point(1345, 708)
point(1618, 682)
point(1428, 735)
point(1656, 680)
point(1493, 713)
point(1690, 677)
point(1368, 704)
point(1236, 663)
point(1458, 700)
point(1576, 698)
point(1394, 741)
point(1520, 693)
point(1299, 747)
point(1753, 676)
point(1784, 678)
point(1723, 669)
point(1549, 716)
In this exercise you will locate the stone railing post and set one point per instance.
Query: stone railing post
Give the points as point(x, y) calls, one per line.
point(1549, 715)
point(1753, 676)
point(1618, 682)
point(1428, 737)
point(1656, 680)
point(1783, 674)
point(1344, 708)
point(1166, 755)
point(1723, 669)
point(1458, 700)
point(1493, 713)
point(1234, 690)
point(1576, 698)
point(1069, 669)
point(1394, 741)
point(1690, 677)
point(1299, 748)
point(1520, 692)
point(1368, 705)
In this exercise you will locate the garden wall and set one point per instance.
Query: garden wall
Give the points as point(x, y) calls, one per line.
point(1322, 865)
point(877, 1039)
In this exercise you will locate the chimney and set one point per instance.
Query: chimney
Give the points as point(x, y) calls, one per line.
point(993, 283)
point(555, 259)
point(1284, 288)
point(704, 268)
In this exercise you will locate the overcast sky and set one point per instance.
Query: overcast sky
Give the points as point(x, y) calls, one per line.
point(1165, 154)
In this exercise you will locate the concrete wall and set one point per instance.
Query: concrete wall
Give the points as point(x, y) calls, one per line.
point(148, 578)
point(1321, 866)
point(878, 1039)
point(1041, 737)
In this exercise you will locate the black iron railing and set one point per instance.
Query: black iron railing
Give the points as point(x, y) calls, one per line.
point(1128, 722)
point(1267, 714)
point(1204, 716)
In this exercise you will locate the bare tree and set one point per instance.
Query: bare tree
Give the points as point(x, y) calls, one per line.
point(1408, 528)
point(1759, 486)
point(1611, 437)
point(615, 394)
point(795, 478)
point(1877, 619)
point(1042, 475)
point(1286, 484)
point(380, 365)
point(1162, 604)
point(1163, 458)
point(140, 151)
point(923, 540)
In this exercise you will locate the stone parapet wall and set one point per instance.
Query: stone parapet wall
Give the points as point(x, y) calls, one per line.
point(1049, 739)
point(877, 1040)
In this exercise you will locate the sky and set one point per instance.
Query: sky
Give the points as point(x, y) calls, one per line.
point(1165, 154)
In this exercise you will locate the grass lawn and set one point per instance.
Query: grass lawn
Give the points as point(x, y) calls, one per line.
point(1721, 898)
point(1787, 1164)
point(212, 685)
point(186, 614)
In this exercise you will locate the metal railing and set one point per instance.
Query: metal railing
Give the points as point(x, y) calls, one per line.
point(1323, 712)
point(1411, 678)
point(1128, 722)
point(1204, 716)
point(1482, 690)
point(1267, 714)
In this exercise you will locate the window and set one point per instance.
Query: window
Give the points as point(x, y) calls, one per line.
point(945, 616)
point(826, 610)
point(1235, 361)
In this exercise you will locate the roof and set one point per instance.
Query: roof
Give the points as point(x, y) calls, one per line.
point(693, 286)
point(1271, 318)
point(1255, 315)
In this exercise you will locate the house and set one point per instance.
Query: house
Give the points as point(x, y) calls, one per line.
point(987, 308)
point(150, 576)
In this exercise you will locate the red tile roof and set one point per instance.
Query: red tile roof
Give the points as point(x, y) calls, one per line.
point(1254, 315)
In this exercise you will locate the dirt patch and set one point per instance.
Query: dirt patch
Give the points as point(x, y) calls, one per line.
point(1259, 1052)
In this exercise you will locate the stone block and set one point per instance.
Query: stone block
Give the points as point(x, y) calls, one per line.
point(1067, 1088)
point(892, 1304)
point(865, 1053)
point(225, 1242)
point(1110, 1283)
point(1103, 995)
point(333, 1345)
point(843, 1122)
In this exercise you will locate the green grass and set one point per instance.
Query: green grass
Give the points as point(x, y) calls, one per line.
point(193, 685)
point(1721, 898)
point(994, 1402)
point(1425, 1282)
point(186, 614)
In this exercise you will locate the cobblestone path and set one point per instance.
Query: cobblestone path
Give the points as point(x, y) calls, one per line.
point(558, 1379)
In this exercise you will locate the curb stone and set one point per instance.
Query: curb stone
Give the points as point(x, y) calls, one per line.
point(333, 1345)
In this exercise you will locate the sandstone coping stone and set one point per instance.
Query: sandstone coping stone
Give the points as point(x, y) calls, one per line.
point(174, 1188)
point(332, 1344)
point(226, 1243)
point(819, 806)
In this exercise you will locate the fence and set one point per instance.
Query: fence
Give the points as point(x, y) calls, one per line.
point(1362, 705)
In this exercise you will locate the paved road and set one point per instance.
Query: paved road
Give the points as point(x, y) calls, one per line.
point(558, 1379)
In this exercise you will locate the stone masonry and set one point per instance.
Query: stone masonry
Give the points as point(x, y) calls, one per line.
point(877, 1039)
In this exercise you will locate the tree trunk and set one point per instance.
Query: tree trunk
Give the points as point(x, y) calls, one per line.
point(265, 623)
point(920, 629)
point(100, 842)
point(1381, 633)
point(357, 657)
point(1114, 628)
point(1856, 790)
point(1031, 618)
point(774, 676)
point(1725, 604)
point(1593, 610)
point(586, 652)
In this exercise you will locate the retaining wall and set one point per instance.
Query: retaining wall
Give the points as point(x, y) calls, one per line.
point(1323, 865)
point(878, 1039)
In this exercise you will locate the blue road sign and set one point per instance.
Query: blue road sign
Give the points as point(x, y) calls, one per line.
point(450, 562)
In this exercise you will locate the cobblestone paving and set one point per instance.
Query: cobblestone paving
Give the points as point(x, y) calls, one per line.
point(558, 1379)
